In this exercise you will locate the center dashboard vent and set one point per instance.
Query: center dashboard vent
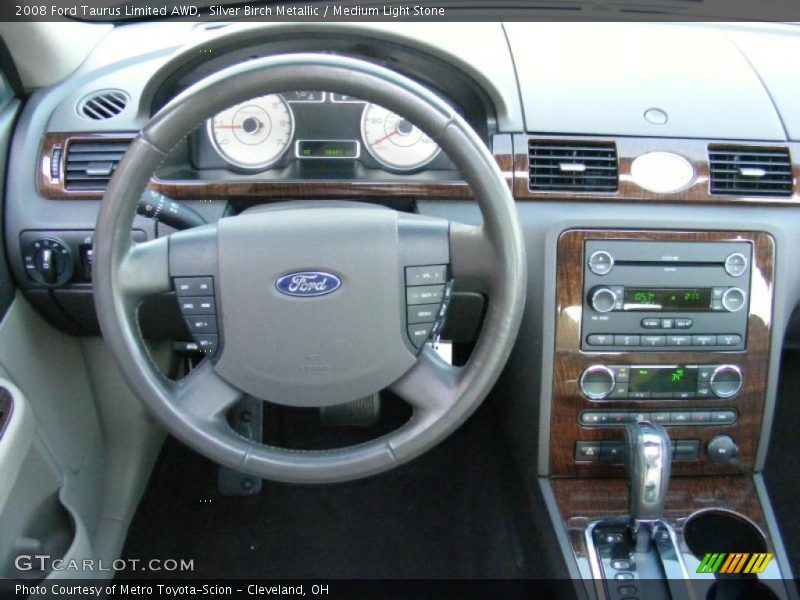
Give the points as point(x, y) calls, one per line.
point(562, 165)
point(747, 171)
point(89, 165)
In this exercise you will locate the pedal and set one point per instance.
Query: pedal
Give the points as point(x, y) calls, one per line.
point(358, 413)
point(246, 418)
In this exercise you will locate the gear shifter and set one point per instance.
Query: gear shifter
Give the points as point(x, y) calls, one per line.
point(649, 458)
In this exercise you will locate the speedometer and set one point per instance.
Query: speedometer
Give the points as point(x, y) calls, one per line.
point(394, 141)
point(253, 134)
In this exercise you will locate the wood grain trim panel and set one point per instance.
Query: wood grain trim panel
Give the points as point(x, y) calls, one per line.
point(570, 362)
point(55, 189)
point(628, 148)
point(6, 408)
point(581, 501)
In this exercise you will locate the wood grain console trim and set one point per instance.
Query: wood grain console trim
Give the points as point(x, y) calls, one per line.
point(55, 188)
point(629, 148)
point(570, 362)
point(581, 501)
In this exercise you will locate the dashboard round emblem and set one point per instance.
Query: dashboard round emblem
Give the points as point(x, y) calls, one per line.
point(305, 284)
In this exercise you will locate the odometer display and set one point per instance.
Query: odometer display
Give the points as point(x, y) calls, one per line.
point(667, 299)
point(328, 149)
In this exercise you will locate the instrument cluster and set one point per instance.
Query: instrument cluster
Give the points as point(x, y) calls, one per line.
point(315, 127)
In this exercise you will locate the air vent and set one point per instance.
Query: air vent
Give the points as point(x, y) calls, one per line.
point(740, 171)
point(90, 165)
point(572, 166)
point(100, 106)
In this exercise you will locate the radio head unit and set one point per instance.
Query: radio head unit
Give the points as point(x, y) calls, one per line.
point(665, 296)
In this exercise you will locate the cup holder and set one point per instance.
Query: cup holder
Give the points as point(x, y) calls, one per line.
point(716, 530)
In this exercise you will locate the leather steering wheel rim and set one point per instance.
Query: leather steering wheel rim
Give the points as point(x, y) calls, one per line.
point(192, 408)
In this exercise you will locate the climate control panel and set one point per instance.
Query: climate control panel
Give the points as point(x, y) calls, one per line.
point(660, 382)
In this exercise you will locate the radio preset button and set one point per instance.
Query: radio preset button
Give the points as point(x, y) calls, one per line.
point(597, 382)
point(626, 340)
point(651, 323)
point(600, 339)
point(733, 299)
point(679, 340)
point(601, 262)
point(603, 300)
point(732, 339)
point(735, 264)
point(704, 340)
point(654, 340)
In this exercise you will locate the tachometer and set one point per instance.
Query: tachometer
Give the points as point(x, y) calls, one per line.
point(395, 142)
point(253, 134)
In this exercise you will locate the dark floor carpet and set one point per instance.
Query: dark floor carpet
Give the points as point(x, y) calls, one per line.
point(782, 473)
point(447, 514)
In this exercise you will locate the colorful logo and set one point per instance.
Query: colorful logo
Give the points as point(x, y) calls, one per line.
point(734, 563)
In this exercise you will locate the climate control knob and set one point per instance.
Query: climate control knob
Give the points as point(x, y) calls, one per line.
point(603, 300)
point(726, 381)
point(597, 382)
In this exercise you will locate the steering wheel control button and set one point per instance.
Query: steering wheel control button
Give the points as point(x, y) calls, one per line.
point(597, 382)
point(429, 275)
point(601, 262)
point(733, 299)
point(422, 313)
point(193, 305)
point(419, 334)
point(424, 294)
point(207, 343)
point(735, 264)
point(194, 286)
point(202, 324)
point(726, 381)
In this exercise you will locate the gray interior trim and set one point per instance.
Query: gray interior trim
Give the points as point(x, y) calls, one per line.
point(775, 535)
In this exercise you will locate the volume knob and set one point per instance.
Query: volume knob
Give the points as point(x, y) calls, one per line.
point(597, 382)
point(603, 300)
point(726, 381)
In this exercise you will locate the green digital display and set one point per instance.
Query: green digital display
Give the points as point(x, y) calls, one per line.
point(656, 379)
point(327, 149)
point(674, 299)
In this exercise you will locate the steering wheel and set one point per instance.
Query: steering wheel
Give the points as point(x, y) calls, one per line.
point(311, 301)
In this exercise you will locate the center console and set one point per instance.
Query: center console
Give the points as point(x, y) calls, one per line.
point(668, 327)
point(671, 329)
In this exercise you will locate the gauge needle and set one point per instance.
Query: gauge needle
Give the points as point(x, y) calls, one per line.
point(386, 137)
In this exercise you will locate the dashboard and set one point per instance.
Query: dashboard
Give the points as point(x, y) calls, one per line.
point(657, 190)
point(685, 156)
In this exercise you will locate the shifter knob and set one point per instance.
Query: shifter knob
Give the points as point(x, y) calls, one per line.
point(649, 459)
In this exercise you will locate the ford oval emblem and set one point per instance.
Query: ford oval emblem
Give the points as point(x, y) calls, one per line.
point(305, 284)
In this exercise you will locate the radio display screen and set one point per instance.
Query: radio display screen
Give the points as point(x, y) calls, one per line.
point(655, 379)
point(676, 299)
